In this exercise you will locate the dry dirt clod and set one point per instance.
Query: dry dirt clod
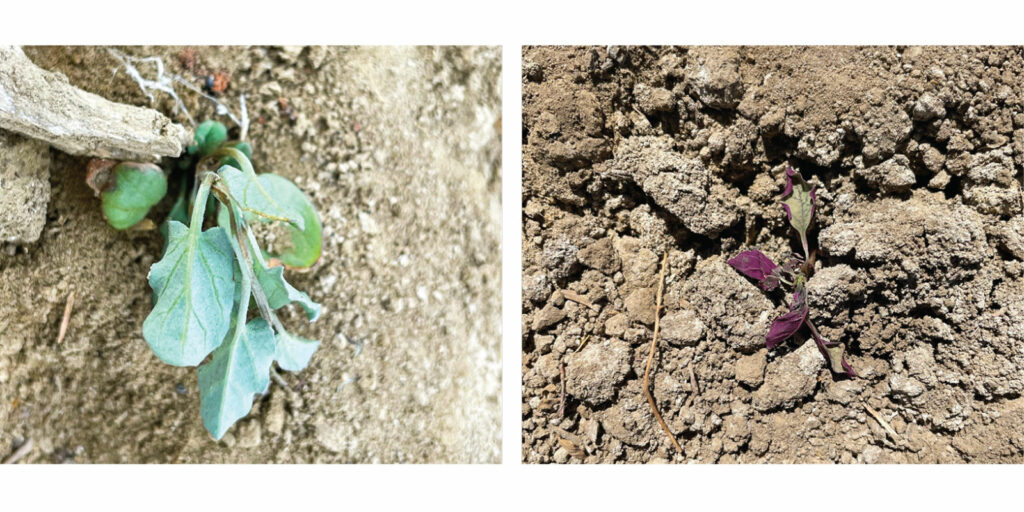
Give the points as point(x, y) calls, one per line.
point(682, 328)
point(594, 373)
point(792, 378)
point(24, 187)
point(750, 369)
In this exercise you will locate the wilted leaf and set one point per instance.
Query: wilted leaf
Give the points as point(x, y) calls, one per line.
point(271, 279)
point(834, 352)
point(578, 298)
point(798, 201)
point(279, 292)
point(239, 370)
point(194, 295)
point(135, 188)
point(305, 243)
point(98, 174)
point(836, 358)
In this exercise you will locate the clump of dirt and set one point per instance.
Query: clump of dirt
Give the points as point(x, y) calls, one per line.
point(632, 152)
point(399, 148)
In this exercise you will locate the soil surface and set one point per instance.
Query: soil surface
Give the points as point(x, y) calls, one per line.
point(631, 153)
point(399, 148)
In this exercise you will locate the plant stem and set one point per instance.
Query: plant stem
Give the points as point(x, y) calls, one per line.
point(245, 262)
point(246, 291)
point(650, 356)
point(238, 156)
point(199, 206)
point(819, 340)
point(817, 336)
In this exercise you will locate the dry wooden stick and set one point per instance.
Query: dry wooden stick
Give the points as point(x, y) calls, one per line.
point(20, 453)
point(693, 387)
point(650, 356)
point(67, 317)
point(579, 299)
point(561, 401)
point(1022, 192)
point(584, 342)
point(885, 424)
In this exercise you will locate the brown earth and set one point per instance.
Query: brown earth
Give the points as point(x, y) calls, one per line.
point(399, 148)
point(633, 152)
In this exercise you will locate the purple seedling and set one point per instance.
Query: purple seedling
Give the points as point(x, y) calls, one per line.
point(798, 199)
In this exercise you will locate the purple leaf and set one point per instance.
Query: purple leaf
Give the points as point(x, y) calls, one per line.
point(784, 327)
point(755, 265)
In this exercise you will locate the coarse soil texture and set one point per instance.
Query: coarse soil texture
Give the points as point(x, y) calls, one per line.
point(630, 153)
point(399, 148)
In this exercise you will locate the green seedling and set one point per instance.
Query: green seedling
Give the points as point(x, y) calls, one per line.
point(133, 188)
point(208, 279)
point(209, 136)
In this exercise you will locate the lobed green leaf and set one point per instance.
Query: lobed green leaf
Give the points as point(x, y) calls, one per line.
point(280, 293)
point(238, 370)
point(294, 352)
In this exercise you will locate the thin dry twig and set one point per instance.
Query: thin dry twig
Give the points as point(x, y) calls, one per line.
point(1021, 189)
point(693, 387)
point(650, 356)
point(579, 298)
point(885, 424)
point(20, 453)
point(584, 342)
point(67, 317)
point(561, 401)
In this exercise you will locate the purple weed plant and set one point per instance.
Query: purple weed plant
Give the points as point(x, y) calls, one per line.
point(798, 200)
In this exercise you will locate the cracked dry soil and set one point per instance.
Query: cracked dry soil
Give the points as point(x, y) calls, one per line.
point(632, 152)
